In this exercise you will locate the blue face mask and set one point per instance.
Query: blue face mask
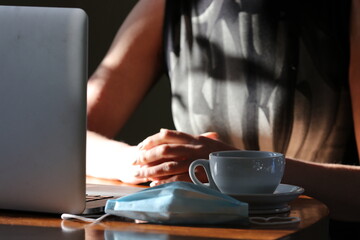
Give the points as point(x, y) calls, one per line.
point(183, 203)
point(179, 203)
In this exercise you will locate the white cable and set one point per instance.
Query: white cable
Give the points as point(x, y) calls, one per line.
point(67, 216)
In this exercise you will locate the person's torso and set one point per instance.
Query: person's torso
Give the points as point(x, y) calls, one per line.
point(264, 75)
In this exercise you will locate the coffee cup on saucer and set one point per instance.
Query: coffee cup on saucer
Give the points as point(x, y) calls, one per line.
point(240, 172)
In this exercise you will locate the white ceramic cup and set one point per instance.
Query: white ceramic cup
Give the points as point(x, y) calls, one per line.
point(241, 172)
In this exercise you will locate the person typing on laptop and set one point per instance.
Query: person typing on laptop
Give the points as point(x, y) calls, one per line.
point(243, 85)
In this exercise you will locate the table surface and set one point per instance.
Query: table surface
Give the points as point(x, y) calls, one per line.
point(23, 225)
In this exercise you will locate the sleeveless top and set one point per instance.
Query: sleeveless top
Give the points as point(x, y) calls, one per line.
point(265, 75)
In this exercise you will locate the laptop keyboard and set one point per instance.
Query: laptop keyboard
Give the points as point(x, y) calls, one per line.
point(90, 198)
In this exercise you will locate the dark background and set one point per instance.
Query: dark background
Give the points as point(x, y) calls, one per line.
point(105, 18)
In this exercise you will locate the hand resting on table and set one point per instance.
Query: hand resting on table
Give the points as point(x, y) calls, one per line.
point(166, 156)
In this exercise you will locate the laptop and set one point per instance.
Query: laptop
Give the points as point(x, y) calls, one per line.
point(43, 74)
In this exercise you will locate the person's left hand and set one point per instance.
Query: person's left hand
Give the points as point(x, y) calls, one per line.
point(166, 156)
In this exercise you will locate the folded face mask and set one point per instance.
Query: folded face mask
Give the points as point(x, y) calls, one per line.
point(182, 203)
point(179, 203)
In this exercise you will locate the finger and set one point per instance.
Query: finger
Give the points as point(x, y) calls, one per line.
point(201, 175)
point(127, 175)
point(212, 135)
point(167, 152)
point(199, 172)
point(134, 180)
point(180, 177)
point(163, 169)
point(166, 136)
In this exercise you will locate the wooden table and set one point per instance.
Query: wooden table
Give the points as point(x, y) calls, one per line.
point(21, 225)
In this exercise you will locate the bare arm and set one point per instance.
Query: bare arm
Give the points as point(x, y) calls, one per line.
point(336, 185)
point(119, 84)
point(128, 70)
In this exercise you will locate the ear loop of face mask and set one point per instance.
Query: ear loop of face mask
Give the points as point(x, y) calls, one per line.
point(254, 220)
point(67, 216)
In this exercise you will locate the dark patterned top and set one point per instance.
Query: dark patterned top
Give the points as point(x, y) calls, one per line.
point(265, 75)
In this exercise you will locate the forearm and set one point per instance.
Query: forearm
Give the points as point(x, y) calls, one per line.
point(335, 185)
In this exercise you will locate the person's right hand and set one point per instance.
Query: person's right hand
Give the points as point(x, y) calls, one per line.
point(110, 159)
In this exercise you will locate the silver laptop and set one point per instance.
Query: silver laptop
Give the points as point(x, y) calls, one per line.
point(43, 74)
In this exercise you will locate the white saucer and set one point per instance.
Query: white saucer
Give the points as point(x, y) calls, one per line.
point(276, 202)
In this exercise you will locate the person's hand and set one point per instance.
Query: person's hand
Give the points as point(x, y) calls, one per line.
point(124, 168)
point(166, 156)
point(111, 159)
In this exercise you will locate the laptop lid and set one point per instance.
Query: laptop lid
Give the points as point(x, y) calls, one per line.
point(43, 73)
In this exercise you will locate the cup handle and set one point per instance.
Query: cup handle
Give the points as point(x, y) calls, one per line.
point(206, 165)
